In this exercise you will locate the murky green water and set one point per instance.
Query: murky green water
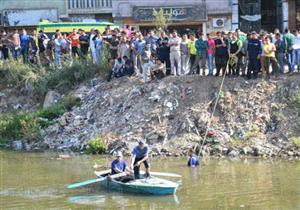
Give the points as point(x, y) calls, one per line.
point(37, 181)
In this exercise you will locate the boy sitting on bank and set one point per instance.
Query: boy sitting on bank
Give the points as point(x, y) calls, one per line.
point(117, 68)
point(158, 70)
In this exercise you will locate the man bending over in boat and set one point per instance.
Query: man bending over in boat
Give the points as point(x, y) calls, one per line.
point(193, 159)
point(139, 156)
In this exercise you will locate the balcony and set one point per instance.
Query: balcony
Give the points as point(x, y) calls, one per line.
point(89, 6)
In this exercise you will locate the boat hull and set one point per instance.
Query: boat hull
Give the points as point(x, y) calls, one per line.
point(143, 186)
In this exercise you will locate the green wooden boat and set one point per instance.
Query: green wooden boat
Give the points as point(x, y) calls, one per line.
point(151, 185)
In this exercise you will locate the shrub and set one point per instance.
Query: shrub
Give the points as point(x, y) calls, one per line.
point(52, 112)
point(296, 142)
point(96, 146)
point(70, 101)
point(252, 133)
point(28, 126)
point(19, 126)
point(40, 79)
point(296, 101)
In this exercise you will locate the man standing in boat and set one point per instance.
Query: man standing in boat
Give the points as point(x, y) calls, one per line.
point(139, 156)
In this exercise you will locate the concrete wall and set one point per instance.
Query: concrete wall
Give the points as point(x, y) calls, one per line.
point(34, 4)
point(218, 6)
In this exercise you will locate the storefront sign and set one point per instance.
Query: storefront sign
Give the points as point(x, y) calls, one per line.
point(191, 13)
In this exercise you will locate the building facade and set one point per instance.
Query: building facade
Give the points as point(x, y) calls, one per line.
point(196, 15)
point(98, 10)
point(199, 15)
point(26, 13)
point(249, 15)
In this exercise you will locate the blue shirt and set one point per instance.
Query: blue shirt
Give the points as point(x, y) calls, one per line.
point(140, 153)
point(254, 48)
point(24, 41)
point(120, 165)
point(152, 40)
point(193, 161)
point(140, 46)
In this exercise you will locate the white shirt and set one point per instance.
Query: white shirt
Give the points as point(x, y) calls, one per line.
point(296, 42)
point(175, 40)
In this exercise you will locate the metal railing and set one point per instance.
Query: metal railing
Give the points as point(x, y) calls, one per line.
point(89, 4)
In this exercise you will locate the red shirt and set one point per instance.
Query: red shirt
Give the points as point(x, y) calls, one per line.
point(74, 38)
point(211, 47)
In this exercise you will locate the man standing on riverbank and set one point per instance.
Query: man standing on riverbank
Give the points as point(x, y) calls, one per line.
point(139, 156)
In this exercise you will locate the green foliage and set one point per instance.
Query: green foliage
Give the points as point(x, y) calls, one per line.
point(52, 112)
point(252, 133)
point(296, 106)
point(28, 126)
point(39, 79)
point(104, 61)
point(296, 142)
point(279, 116)
point(19, 126)
point(161, 20)
point(96, 146)
point(70, 101)
point(296, 101)
point(238, 142)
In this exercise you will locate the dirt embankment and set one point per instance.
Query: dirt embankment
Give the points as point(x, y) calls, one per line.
point(252, 118)
point(256, 117)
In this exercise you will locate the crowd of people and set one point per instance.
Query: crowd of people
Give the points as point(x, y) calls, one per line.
point(155, 55)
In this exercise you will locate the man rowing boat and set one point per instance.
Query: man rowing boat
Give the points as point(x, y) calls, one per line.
point(139, 156)
point(119, 166)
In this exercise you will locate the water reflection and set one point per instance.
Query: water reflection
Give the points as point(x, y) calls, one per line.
point(119, 199)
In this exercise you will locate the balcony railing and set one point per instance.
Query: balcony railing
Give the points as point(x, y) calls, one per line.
point(89, 6)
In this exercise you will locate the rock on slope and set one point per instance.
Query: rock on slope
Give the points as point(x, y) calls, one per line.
point(252, 117)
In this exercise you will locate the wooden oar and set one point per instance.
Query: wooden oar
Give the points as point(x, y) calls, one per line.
point(99, 173)
point(164, 174)
point(92, 181)
point(81, 184)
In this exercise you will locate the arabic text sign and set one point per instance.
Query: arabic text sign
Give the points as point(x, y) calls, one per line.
point(176, 13)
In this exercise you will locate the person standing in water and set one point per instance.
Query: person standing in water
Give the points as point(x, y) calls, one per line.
point(193, 159)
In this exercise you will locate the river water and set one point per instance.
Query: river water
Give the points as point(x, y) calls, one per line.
point(39, 180)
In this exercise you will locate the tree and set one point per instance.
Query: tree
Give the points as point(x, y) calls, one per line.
point(161, 20)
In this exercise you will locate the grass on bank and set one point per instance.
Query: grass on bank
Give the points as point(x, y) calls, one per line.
point(29, 126)
point(38, 79)
point(296, 142)
point(296, 105)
